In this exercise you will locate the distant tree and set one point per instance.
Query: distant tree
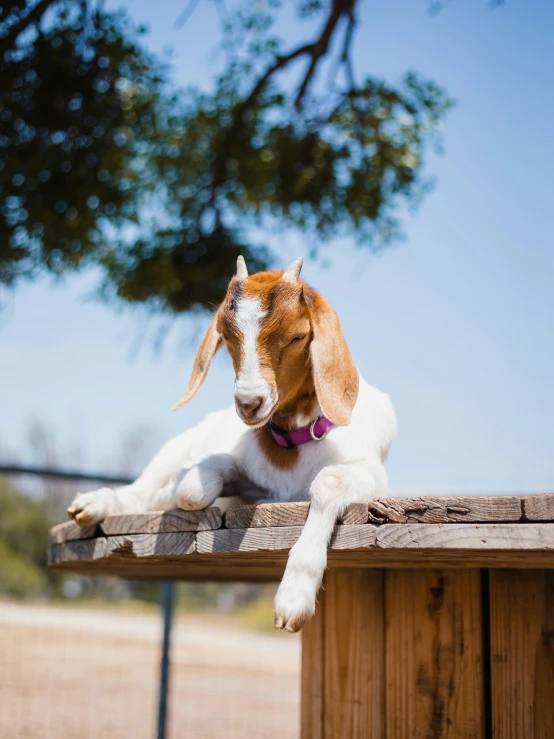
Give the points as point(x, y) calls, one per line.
point(103, 162)
point(23, 543)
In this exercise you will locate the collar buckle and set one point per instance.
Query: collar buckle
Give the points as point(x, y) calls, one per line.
point(312, 431)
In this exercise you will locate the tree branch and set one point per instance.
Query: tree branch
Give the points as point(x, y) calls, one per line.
point(316, 50)
point(33, 16)
point(186, 14)
point(346, 58)
point(319, 47)
point(280, 62)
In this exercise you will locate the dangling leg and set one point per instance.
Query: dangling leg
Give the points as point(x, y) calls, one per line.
point(333, 489)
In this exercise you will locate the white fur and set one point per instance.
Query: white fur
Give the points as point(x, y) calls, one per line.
point(221, 452)
point(250, 383)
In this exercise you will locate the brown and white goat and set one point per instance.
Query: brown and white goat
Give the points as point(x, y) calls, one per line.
point(306, 426)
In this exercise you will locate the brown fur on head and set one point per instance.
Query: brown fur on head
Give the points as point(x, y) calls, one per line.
point(287, 347)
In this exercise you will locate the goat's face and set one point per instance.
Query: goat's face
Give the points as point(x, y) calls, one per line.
point(265, 323)
point(283, 339)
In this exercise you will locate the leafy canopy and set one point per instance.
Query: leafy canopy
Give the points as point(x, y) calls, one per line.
point(104, 162)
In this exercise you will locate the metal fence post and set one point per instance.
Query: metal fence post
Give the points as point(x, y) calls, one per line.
point(168, 588)
point(168, 600)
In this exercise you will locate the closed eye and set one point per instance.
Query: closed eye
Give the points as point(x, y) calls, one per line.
point(296, 339)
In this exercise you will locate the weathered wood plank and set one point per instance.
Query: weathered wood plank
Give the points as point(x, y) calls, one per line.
point(443, 509)
point(83, 550)
point(538, 507)
point(466, 536)
point(247, 540)
point(311, 678)
point(150, 545)
point(270, 565)
point(354, 638)
point(281, 537)
point(70, 531)
point(433, 656)
point(238, 552)
point(522, 654)
point(188, 568)
point(265, 515)
point(163, 522)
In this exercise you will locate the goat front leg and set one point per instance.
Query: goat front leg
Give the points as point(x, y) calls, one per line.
point(138, 497)
point(333, 489)
point(190, 488)
point(197, 488)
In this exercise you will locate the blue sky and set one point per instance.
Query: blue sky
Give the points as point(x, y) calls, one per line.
point(456, 322)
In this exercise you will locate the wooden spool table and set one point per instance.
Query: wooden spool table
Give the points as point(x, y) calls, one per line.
point(436, 618)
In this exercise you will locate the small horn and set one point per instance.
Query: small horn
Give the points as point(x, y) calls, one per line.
point(292, 273)
point(242, 272)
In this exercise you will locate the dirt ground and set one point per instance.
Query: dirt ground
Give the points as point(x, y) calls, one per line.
point(74, 674)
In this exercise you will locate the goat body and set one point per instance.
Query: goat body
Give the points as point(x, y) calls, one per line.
point(292, 366)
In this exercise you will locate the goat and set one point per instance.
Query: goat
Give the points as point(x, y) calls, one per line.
point(295, 382)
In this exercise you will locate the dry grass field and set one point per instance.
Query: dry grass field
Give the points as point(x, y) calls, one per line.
point(79, 674)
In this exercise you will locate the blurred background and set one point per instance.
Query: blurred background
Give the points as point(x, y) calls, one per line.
point(405, 148)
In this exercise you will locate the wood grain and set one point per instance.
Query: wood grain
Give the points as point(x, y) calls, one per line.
point(433, 655)
point(71, 552)
point(142, 546)
point(269, 565)
point(163, 522)
point(522, 654)
point(354, 639)
point(538, 507)
point(240, 554)
point(311, 681)
point(443, 509)
point(70, 531)
point(192, 568)
point(281, 537)
point(266, 515)
point(466, 536)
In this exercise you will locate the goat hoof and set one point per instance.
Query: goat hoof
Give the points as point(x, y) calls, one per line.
point(292, 624)
point(90, 508)
point(294, 604)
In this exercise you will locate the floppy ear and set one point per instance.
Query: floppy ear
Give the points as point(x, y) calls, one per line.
point(210, 344)
point(336, 376)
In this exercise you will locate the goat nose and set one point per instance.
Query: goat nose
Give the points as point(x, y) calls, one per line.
point(249, 406)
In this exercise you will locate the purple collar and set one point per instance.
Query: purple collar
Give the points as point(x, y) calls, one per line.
point(315, 431)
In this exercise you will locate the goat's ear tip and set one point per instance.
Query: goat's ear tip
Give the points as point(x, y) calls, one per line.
point(242, 271)
point(292, 273)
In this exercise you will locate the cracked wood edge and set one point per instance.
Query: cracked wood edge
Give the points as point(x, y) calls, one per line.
point(446, 509)
point(266, 515)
